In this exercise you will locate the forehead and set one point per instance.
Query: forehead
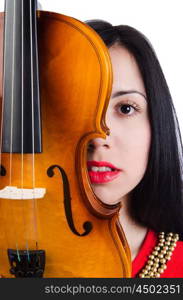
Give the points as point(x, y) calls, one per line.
point(126, 73)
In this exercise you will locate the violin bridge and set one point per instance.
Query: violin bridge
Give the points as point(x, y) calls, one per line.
point(14, 193)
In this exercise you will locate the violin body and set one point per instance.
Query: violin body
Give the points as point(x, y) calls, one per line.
point(47, 203)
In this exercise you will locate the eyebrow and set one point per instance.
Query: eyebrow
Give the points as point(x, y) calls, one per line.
point(121, 93)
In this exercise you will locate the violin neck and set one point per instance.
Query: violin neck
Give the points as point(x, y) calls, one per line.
point(21, 102)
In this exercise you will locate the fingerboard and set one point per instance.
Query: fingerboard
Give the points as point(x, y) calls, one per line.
point(21, 132)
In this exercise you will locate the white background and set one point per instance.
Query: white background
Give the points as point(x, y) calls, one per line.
point(160, 20)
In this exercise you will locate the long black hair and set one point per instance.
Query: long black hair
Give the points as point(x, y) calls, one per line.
point(157, 201)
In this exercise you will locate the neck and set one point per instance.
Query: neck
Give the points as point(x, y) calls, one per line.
point(135, 232)
point(21, 105)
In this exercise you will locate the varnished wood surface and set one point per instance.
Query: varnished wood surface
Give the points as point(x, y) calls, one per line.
point(75, 85)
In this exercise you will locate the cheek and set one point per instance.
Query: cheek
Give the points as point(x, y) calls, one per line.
point(133, 144)
point(137, 146)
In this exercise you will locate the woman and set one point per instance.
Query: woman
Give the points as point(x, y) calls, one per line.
point(139, 163)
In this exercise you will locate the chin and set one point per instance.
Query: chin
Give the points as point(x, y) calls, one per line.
point(111, 195)
point(106, 197)
point(109, 202)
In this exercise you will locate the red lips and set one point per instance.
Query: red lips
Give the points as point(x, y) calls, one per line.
point(103, 176)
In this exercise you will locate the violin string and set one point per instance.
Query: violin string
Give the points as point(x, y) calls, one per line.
point(2, 111)
point(37, 76)
point(33, 148)
point(12, 107)
point(22, 115)
point(12, 93)
point(22, 128)
point(2, 105)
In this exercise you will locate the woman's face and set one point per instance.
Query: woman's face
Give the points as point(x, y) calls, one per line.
point(117, 164)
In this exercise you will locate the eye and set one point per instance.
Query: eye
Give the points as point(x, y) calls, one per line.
point(126, 109)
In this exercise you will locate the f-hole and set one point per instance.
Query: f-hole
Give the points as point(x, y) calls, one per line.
point(87, 226)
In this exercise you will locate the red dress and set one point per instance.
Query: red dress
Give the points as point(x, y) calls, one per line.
point(174, 265)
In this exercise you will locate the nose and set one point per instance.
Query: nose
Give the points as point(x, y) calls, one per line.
point(98, 143)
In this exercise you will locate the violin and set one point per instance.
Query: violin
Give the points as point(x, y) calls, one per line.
point(55, 85)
